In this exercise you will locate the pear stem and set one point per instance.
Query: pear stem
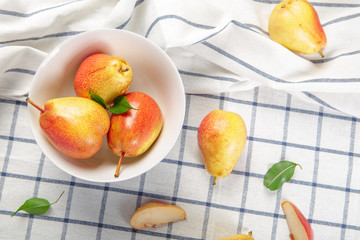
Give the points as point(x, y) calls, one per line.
point(119, 164)
point(35, 105)
point(321, 53)
point(214, 182)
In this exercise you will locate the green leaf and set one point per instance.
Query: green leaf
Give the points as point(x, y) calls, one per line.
point(278, 174)
point(121, 105)
point(36, 206)
point(98, 99)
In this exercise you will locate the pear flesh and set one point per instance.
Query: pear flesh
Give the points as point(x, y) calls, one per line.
point(221, 139)
point(153, 214)
point(74, 126)
point(295, 24)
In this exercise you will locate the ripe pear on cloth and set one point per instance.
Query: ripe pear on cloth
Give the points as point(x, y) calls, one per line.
point(221, 139)
point(295, 24)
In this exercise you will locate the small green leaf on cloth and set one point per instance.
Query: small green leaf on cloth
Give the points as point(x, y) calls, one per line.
point(36, 206)
point(278, 174)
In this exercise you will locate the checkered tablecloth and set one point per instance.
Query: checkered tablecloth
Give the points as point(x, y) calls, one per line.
point(296, 108)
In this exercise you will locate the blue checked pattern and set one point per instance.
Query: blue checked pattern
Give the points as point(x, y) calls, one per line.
point(91, 209)
point(280, 124)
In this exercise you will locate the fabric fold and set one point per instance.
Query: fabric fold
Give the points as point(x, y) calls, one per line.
point(217, 48)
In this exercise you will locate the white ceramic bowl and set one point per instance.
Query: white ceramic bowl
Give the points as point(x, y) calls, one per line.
point(153, 73)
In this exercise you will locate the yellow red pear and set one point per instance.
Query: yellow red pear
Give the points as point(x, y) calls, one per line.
point(295, 24)
point(133, 132)
point(105, 75)
point(74, 126)
point(221, 139)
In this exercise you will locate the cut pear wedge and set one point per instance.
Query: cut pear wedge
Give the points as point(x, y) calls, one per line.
point(153, 214)
point(299, 226)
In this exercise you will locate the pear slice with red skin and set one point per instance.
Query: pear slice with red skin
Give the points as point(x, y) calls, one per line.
point(239, 237)
point(299, 226)
point(153, 214)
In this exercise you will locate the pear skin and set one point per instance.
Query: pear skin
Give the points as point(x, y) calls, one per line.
point(133, 132)
point(295, 24)
point(221, 139)
point(107, 76)
point(74, 126)
point(299, 226)
point(239, 237)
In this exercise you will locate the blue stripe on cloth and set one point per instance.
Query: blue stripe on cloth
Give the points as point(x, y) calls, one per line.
point(16, 139)
point(349, 177)
point(220, 78)
point(95, 224)
point(316, 164)
point(169, 161)
point(250, 138)
point(329, 4)
point(248, 158)
point(139, 200)
point(26, 15)
point(200, 203)
point(181, 157)
point(11, 101)
point(207, 208)
point(102, 211)
point(176, 17)
point(151, 233)
point(36, 191)
point(323, 60)
point(20, 70)
point(318, 100)
point(10, 145)
point(68, 207)
point(271, 77)
point(138, 2)
point(283, 151)
point(279, 107)
point(53, 35)
point(341, 19)
point(245, 26)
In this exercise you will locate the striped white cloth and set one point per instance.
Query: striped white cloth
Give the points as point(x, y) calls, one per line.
point(206, 40)
point(301, 108)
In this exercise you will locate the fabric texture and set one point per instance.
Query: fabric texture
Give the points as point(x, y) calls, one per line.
point(297, 107)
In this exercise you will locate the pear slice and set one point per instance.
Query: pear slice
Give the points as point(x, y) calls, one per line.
point(153, 214)
point(239, 237)
point(298, 225)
